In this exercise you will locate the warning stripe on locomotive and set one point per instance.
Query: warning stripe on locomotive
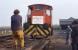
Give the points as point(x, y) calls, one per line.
point(37, 30)
point(41, 31)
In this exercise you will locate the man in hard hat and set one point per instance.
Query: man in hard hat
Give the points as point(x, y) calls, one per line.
point(17, 30)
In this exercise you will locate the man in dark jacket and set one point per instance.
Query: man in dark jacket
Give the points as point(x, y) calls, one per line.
point(74, 35)
point(16, 27)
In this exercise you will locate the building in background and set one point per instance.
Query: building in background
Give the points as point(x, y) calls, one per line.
point(65, 22)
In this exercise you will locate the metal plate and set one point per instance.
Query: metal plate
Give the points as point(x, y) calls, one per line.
point(37, 20)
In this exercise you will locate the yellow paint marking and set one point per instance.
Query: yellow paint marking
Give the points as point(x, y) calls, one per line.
point(29, 33)
point(28, 28)
point(41, 31)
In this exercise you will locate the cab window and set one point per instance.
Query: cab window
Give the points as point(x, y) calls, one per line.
point(48, 12)
point(29, 12)
point(39, 7)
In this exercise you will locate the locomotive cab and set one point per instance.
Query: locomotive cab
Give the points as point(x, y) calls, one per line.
point(38, 21)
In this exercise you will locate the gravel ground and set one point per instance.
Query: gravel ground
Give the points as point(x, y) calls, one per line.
point(57, 43)
point(60, 44)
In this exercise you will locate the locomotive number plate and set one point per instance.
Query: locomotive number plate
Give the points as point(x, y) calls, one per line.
point(37, 20)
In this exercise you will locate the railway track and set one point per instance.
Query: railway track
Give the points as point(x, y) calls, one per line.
point(4, 38)
point(30, 44)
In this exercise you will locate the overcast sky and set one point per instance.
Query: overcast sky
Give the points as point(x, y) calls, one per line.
point(62, 9)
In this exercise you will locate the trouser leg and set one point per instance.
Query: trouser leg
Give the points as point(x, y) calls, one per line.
point(15, 41)
point(22, 42)
point(74, 45)
point(77, 46)
point(21, 38)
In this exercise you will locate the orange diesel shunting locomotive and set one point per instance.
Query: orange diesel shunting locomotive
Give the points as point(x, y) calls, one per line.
point(39, 21)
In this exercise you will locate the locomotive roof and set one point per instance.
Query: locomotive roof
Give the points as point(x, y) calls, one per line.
point(43, 5)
